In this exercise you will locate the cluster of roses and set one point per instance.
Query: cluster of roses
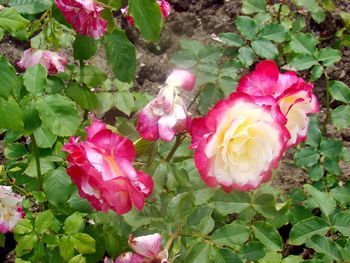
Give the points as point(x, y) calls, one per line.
point(236, 145)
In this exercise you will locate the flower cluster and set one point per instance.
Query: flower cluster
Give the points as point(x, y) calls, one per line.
point(148, 250)
point(52, 61)
point(167, 115)
point(84, 16)
point(10, 210)
point(244, 136)
point(101, 167)
point(165, 9)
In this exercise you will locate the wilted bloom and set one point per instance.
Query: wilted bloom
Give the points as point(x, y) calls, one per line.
point(52, 61)
point(239, 142)
point(148, 250)
point(164, 116)
point(10, 210)
point(293, 95)
point(101, 168)
point(84, 16)
point(165, 8)
point(181, 78)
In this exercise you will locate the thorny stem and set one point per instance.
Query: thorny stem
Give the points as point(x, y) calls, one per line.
point(37, 161)
point(328, 113)
point(170, 241)
point(179, 139)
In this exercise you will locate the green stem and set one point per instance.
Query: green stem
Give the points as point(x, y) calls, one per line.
point(37, 161)
point(328, 112)
point(279, 13)
point(178, 142)
point(195, 98)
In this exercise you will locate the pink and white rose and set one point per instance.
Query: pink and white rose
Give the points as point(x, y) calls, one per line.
point(239, 142)
point(293, 95)
point(182, 79)
point(163, 117)
point(84, 16)
point(10, 210)
point(52, 61)
point(101, 167)
point(148, 249)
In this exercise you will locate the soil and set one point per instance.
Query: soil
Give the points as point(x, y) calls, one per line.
point(196, 20)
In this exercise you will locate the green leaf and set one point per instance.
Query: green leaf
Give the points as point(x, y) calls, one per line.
point(247, 27)
point(184, 59)
point(326, 246)
point(57, 186)
point(304, 43)
point(329, 56)
point(74, 224)
point(271, 257)
point(124, 101)
point(31, 119)
point(225, 255)
point(147, 18)
point(24, 226)
point(84, 47)
point(292, 259)
point(316, 72)
point(341, 117)
point(34, 79)
point(331, 148)
point(209, 96)
point(303, 230)
point(246, 56)
point(84, 243)
point(15, 150)
point(253, 6)
point(341, 222)
point(265, 49)
point(82, 96)
point(13, 121)
point(306, 157)
point(324, 200)
point(30, 6)
point(7, 76)
point(275, 32)
point(268, 235)
point(44, 222)
point(231, 39)
point(341, 194)
point(66, 248)
point(232, 234)
point(339, 91)
point(25, 244)
point(332, 166)
point(44, 138)
point(235, 202)
point(12, 21)
point(59, 114)
point(265, 205)
point(302, 62)
point(78, 259)
point(121, 55)
point(199, 253)
point(91, 75)
point(316, 172)
point(252, 251)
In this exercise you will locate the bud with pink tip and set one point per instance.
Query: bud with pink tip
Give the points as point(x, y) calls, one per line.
point(181, 78)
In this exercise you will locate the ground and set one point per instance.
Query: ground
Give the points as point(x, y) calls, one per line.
point(196, 20)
